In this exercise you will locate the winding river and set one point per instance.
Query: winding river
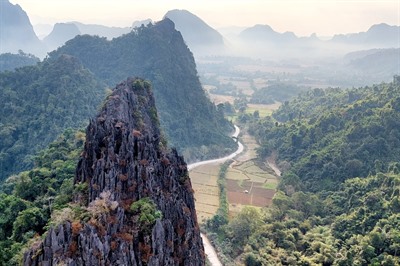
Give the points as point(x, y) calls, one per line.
point(223, 159)
point(209, 249)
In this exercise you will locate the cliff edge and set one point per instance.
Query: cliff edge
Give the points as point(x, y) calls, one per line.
point(134, 202)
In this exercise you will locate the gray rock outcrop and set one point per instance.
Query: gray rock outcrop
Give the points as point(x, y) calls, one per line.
point(125, 160)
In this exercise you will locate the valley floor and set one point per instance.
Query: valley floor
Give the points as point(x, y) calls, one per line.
point(249, 183)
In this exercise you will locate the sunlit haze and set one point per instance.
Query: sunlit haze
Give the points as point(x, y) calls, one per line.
point(324, 17)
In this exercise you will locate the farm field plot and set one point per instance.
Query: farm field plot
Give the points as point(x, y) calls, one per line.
point(263, 109)
point(248, 182)
point(204, 183)
point(249, 193)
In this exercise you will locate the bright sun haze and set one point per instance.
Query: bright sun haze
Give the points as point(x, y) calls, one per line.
point(324, 17)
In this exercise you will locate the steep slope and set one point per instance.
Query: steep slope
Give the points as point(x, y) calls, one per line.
point(16, 31)
point(139, 204)
point(61, 33)
point(37, 103)
point(159, 54)
point(199, 36)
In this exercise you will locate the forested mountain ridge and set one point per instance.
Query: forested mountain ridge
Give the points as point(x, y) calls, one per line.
point(10, 61)
point(159, 54)
point(37, 103)
point(330, 135)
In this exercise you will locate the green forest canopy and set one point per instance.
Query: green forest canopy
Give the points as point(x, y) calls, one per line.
point(10, 61)
point(37, 103)
point(330, 135)
point(28, 199)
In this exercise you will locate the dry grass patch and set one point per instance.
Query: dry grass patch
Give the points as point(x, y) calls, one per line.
point(206, 193)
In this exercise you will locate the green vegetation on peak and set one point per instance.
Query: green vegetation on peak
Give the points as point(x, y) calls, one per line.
point(158, 54)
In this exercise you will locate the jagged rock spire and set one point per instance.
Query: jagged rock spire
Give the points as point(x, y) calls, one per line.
point(125, 163)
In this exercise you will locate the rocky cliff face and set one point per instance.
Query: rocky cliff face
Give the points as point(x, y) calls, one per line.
point(134, 197)
point(16, 31)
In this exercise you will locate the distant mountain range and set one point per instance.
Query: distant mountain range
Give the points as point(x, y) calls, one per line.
point(378, 62)
point(263, 40)
point(62, 32)
point(264, 33)
point(379, 35)
point(16, 33)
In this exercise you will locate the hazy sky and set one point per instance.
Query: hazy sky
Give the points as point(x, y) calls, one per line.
point(324, 17)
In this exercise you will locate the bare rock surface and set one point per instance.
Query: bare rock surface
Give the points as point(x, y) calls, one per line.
point(125, 160)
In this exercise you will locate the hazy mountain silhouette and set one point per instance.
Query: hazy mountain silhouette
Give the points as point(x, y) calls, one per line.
point(264, 33)
point(101, 30)
point(198, 35)
point(16, 31)
point(263, 41)
point(380, 63)
point(378, 36)
point(61, 33)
